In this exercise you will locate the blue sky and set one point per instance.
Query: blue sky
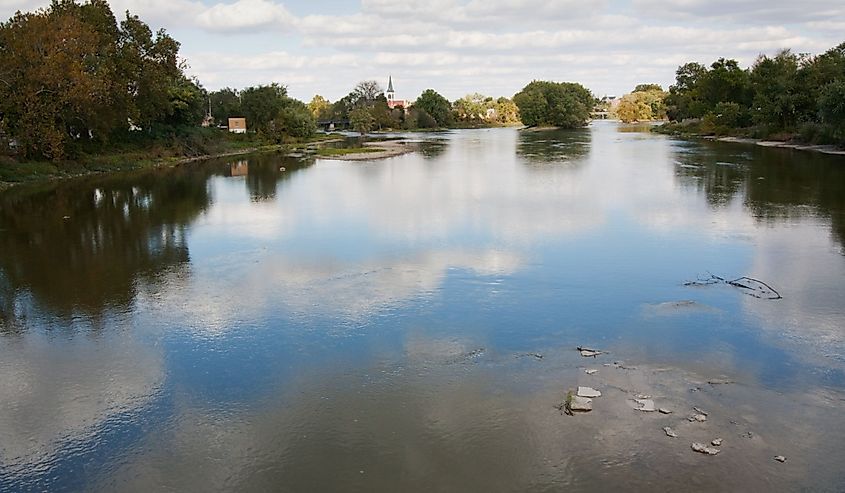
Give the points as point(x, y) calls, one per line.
point(461, 46)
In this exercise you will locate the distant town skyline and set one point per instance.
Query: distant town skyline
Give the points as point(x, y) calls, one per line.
point(456, 47)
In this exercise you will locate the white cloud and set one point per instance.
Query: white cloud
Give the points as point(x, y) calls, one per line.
point(461, 46)
point(51, 397)
point(244, 15)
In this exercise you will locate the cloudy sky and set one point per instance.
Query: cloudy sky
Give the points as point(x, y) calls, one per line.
point(462, 46)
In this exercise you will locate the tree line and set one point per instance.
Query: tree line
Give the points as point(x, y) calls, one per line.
point(268, 110)
point(788, 95)
point(366, 108)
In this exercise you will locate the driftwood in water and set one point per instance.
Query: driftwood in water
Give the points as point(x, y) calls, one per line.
point(748, 285)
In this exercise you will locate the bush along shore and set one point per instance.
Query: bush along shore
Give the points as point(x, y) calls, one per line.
point(788, 100)
point(196, 145)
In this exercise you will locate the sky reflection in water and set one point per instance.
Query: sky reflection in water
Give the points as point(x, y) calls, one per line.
point(190, 327)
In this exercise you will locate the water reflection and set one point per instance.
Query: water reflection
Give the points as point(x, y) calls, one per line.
point(83, 248)
point(57, 402)
point(239, 168)
point(554, 146)
point(433, 148)
point(255, 321)
point(776, 185)
point(267, 171)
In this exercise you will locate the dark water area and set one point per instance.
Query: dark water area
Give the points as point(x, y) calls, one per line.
point(280, 323)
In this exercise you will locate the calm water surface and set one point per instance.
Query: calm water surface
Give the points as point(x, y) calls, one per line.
point(377, 326)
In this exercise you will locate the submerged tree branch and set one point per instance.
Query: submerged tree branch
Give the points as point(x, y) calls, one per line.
point(749, 285)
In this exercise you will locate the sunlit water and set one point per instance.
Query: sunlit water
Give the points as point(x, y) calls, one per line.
point(377, 326)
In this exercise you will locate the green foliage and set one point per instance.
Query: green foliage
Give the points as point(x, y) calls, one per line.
point(778, 99)
point(730, 115)
point(725, 82)
point(383, 116)
point(261, 104)
point(782, 96)
point(296, 120)
point(436, 106)
point(343, 151)
point(225, 104)
point(559, 104)
point(832, 104)
point(648, 88)
point(684, 99)
point(186, 102)
point(361, 119)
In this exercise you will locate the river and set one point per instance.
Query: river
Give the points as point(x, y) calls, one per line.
point(410, 324)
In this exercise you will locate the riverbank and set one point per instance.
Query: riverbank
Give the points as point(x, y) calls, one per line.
point(16, 173)
point(825, 149)
point(370, 151)
point(741, 136)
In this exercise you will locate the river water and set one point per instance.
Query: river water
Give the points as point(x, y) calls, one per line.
point(410, 324)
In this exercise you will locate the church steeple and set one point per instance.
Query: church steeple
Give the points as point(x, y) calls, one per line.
point(390, 92)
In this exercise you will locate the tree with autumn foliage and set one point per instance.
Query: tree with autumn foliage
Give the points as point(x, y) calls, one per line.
point(73, 78)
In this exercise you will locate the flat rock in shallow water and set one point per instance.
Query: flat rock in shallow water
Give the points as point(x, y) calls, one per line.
point(670, 432)
point(580, 404)
point(591, 371)
point(704, 449)
point(697, 417)
point(663, 410)
point(780, 458)
point(588, 392)
point(646, 405)
point(716, 442)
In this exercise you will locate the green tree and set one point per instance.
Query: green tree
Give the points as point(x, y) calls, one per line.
point(558, 104)
point(294, 120)
point(648, 88)
point(436, 106)
point(361, 119)
point(777, 100)
point(186, 100)
point(225, 104)
point(383, 116)
point(684, 98)
point(725, 82)
point(261, 104)
point(832, 105)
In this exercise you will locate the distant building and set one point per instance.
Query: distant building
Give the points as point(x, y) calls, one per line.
point(392, 102)
point(237, 125)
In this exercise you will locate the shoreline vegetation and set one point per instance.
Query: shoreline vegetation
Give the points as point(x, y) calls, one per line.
point(20, 173)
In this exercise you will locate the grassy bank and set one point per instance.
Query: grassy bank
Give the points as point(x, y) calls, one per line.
point(149, 153)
